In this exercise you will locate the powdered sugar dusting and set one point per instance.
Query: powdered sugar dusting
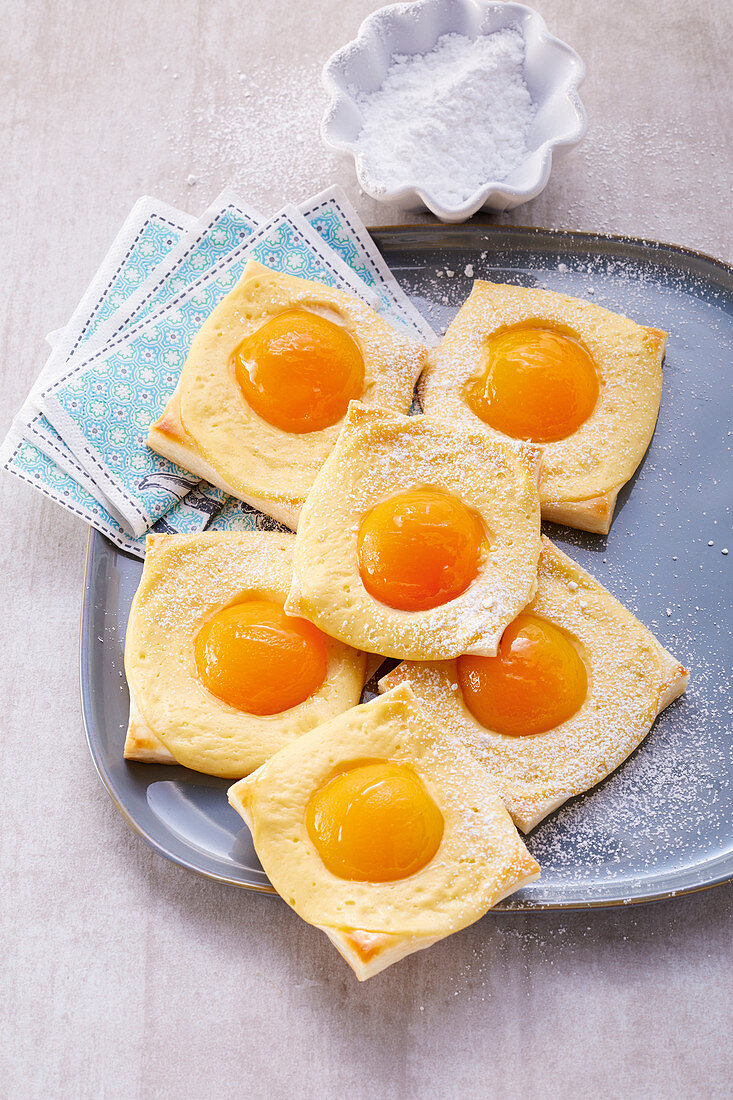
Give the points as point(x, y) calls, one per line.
point(259, 132)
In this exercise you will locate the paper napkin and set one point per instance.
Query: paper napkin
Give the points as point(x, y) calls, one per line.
point(103, 407)
point(114, 365)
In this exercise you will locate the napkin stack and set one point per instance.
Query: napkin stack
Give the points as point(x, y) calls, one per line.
point(80, 436)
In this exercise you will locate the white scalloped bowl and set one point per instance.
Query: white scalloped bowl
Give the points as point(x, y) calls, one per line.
point(552, 72)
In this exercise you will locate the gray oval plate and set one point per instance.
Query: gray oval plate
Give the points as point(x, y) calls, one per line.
point(658, 826)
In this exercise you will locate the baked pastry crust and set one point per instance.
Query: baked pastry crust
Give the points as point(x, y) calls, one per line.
point(481, 858)
point(632, 678)
point(186, 579)
point(582, 474)
point(592, 515)
point(379, 454)
point(209, 429)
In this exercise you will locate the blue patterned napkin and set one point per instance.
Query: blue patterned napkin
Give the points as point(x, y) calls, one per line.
point(226, 225)
point(149, 232)
point(28, 463)
point(218, 232)
point(152, 235)
point(152, 264)
point(103, 407)
point(223, 227)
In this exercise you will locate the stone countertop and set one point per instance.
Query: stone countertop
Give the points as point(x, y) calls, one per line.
point(125, 976)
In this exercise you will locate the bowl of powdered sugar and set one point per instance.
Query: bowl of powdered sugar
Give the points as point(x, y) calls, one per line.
point(454, 105)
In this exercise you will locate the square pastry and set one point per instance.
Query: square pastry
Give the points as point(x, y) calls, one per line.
point(220, 677)
point(418, 539)
point(575, 687)
point(267, 382)
point(382, 832)
point(578, 381)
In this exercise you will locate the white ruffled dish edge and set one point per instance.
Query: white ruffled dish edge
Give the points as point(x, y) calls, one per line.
point(552, 71)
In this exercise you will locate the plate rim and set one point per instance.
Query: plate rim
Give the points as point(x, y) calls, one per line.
point(95, 539)
point(476, 225)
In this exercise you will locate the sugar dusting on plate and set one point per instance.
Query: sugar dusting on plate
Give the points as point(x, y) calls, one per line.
point(448, 121)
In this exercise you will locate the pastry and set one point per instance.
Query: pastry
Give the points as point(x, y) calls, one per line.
point(418, 539)
point(578, 381)
point(383, 833)
point(219, 676)
point(575, 688)
point(266, 385)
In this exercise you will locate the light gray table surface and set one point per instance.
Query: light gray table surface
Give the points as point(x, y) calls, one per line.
point(123, 975)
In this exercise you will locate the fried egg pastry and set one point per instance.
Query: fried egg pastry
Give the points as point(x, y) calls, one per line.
point(267, 382)
point(578, 381)
point(418, 539)
point(383, 833)
point(220, 677)
point(576, 686)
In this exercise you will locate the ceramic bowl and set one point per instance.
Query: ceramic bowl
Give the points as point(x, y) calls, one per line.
point(552, 72)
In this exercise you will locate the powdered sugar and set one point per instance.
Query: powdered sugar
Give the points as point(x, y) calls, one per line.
point(450, 120)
